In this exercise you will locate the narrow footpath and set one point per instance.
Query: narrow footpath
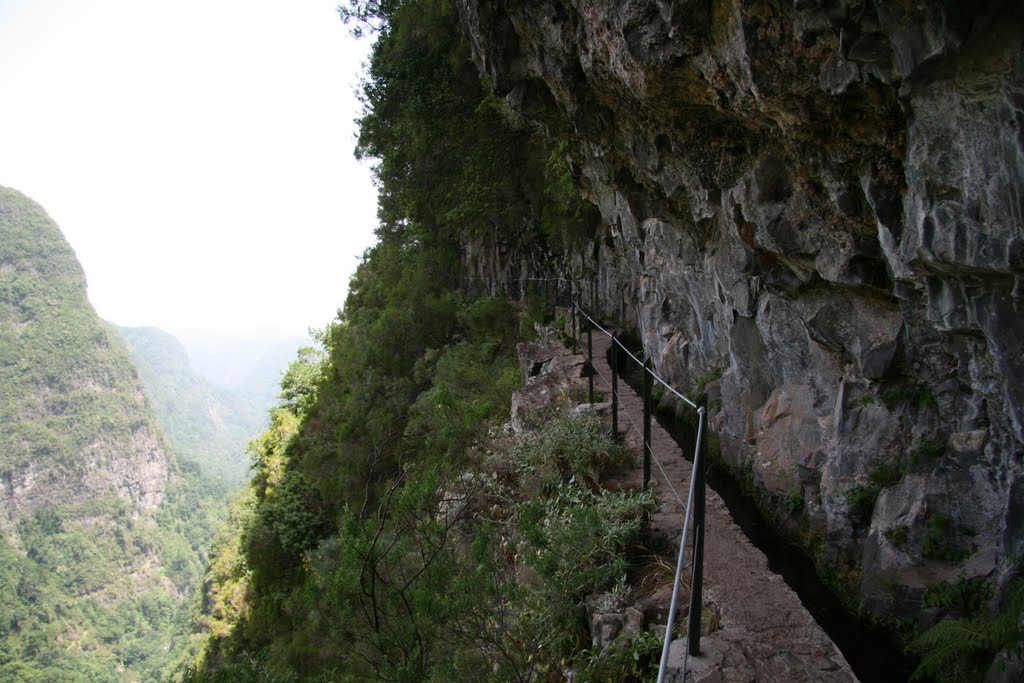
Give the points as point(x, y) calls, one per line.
point(764, 633)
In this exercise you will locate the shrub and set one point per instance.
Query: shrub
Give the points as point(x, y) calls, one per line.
point(967, 596)
point(571, 448)
point(794, 501)
point(883, 475)
point(940, 541)
point(490, 319)
point(963, 649)
point(898, 535)
point(905, 392)
point(861, 500)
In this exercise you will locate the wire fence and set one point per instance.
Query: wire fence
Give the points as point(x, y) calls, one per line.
point(695, 503)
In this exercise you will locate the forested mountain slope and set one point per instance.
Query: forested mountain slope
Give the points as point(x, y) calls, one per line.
point(204, 423)
point(101, 528)
point(373, 430)
point(809, 211)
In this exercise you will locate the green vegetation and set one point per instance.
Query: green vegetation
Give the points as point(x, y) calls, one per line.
point(203, 423)
point(57, 361)
point(906, 393)
point(861, 499)
point(898, 535)
point(699, 384)
point(95, 573)
point(794, 500)
point(963, 649)
point(966, 596)
point(391, 531)
point(932, 448)
point(448, 165)
point(883, 475)
point(637, 658)
point(942, 542)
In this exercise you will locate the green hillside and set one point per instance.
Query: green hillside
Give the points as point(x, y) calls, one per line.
point(204, 423)
point(376, 540)
point(65, 385)
point(102, 530)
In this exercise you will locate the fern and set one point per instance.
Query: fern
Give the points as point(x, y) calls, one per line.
point(963, 649)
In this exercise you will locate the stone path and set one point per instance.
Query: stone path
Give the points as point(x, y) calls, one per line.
point(765, 633)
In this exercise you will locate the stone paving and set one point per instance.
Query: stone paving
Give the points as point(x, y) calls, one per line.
point(764, 632)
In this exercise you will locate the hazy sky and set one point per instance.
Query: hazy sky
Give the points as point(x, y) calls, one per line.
point(197, 154)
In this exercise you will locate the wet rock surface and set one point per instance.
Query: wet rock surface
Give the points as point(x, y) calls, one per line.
point(820, 204)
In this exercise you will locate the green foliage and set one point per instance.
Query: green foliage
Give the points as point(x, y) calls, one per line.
point(565, 218)
point(576, 540)
point(908, 393)
point(794, 500)
point(448, 164)
point(861, 500)
point(300, 380)
point(203, 423)
point(932, 448)
point(574, 534)
point(561, 185)
point(963, 649)
point(73, 588)
point(192, 509)
point(632, 660)
point(92, 577)
point(60, 369)
point(898, 535)
point(571, 449)
point(699, 384)
point(386, 525)
point(883, 475)
point(967, 596)
point(351, 483)
point(490, 320)
point(470, 388)
point(536, 311)
point(942, 542)
point(405, 577)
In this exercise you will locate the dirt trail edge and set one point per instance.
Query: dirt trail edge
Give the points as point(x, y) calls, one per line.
point(764, 632)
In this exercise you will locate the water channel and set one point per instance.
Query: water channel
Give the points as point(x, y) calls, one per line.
point(872, 656)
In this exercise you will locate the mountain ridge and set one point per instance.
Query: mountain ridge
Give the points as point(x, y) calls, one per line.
point(103, 528)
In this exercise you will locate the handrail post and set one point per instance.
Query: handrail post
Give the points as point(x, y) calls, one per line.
point(590, 359)
point(697, 578)
point(615, 387)
point(572, 305)
point(663, 667)
point(647, 424)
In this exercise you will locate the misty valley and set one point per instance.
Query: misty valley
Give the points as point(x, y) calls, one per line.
point(621, 248)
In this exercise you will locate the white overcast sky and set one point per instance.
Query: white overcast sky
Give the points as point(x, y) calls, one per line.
point(197, 154)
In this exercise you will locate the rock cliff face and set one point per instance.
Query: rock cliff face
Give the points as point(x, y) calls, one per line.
point(818, 206)
point(74, 421)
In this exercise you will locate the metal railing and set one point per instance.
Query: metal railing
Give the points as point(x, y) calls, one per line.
point(694, 507)
point(695, 503)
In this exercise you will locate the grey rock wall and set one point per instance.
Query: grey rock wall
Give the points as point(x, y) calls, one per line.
point(822, 202)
